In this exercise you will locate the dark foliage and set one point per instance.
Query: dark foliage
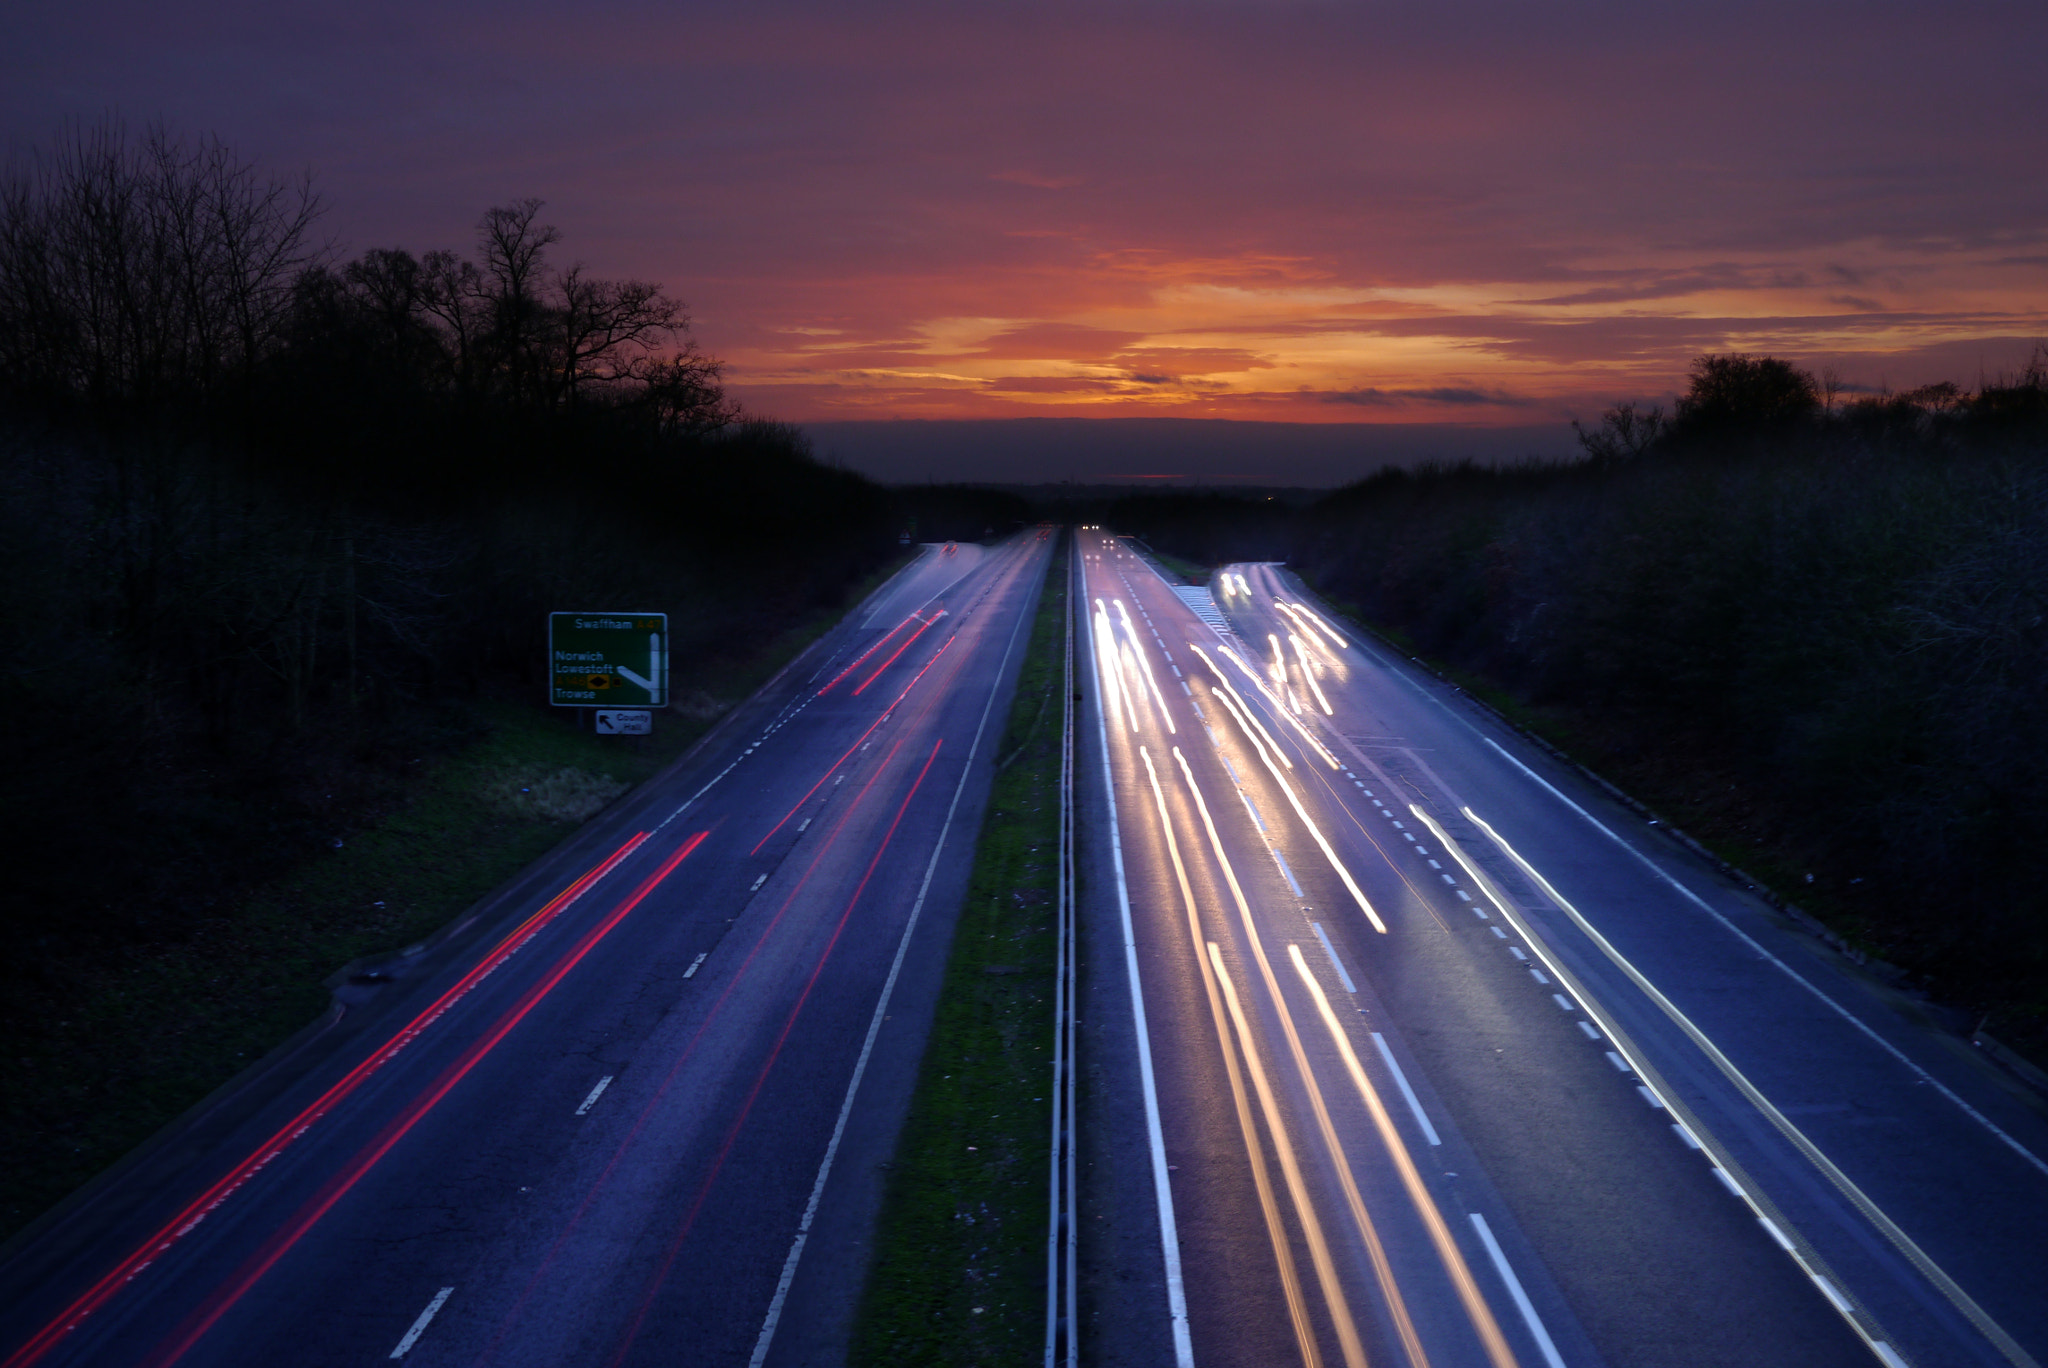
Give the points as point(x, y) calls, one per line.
point(270, 524)
point(1819, 637)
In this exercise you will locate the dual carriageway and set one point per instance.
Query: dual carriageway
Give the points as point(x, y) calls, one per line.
point(1399, 1043)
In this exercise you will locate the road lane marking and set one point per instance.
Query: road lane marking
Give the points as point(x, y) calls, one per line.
point(204, 1205)
point(1453, 1260)
point(1790, 972)
point(1290, 1168)
point(1521, 1298)
point(1350, 884)
point(1869, 1210)
point(1276, 1233)
point(595, 1093)
point(1562, 1001)
point(1407, 1093)
point(1382, 1267)
point(1285, 872)
point(1335, 963)
point(419, 1326)
point(696, 964)
point(1591, 1034)
point(875, 1020)
point(1162, 1188)
point(1618, 1062)
point(757, 884)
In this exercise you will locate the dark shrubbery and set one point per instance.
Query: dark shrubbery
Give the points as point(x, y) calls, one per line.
point(1819, 635)
point(269, 524)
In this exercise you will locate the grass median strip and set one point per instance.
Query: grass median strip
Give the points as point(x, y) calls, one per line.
point(959, 1271)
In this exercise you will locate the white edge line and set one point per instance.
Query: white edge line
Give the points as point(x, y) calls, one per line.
point(1407, 1092)
point(867, 1048)
point(595, 1093)
point(1790, 972)
point(419, 1326)
point(1169, 1235)
point(1335, 963)
point(1507, 1275)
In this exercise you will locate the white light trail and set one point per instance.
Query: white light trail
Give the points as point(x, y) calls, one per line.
point(1224, 684)
point(1404, 1326)
point(1105, 655)
point(1308, 672)
point(1313, 830)
point(1411, 1178)
point(1278, 707)
point(1138, 649)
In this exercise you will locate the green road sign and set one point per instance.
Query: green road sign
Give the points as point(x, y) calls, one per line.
point(608, 660)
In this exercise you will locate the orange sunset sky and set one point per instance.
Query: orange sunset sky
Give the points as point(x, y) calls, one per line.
point(1488, 214)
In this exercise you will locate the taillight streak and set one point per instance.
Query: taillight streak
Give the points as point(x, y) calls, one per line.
point(899, 651)
point(882, 717)
point(683, 1057)
point(103, 1291)
point(855, 665)
point(337, 1187)
point(775, 1051)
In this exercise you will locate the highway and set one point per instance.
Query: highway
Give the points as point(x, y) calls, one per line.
point(636, 1110)
point(1405, 1043)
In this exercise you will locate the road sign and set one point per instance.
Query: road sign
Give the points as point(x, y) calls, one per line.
point(608, 660)
point(615, 722)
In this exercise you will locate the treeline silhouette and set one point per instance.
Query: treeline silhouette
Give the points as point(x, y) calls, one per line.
point(1814, 629)
point(272, 522)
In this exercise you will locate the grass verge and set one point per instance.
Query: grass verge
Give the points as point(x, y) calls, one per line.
point(959, 1263)
point(93, 1068)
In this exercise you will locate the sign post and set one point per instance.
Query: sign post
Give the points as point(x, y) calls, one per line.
point(608, 660)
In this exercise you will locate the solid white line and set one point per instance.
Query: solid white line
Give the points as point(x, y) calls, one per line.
point(591, 1100)
point(1169, 1233)
point(1335, 963)
point(1408, 1093)
point(860, 1065)
point(420, 1325)
point(1792, 973)
point(1507, 1275)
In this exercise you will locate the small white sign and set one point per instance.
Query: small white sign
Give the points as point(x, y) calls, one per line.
point(613, 722)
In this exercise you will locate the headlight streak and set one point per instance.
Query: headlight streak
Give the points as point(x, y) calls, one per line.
point(1397, 1306)
point(1278, 707)
point(1425, 1206)
point(1138, 648)
point(1308, 672)
point(1105, 655)
point(1311, 1227)
point(1313, 830)
point(1759, 1204)
point(1280, 675)
point(1310, 624)
point(1229, 693)
point(1283, 1254)
point(1328, 630)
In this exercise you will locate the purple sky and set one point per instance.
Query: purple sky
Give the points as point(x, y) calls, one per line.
point(1493, 214)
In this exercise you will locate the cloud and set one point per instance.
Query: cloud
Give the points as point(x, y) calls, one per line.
point(1453, 396)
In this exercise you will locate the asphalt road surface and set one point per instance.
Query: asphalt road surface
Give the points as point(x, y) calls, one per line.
point(1410, 1045)
point(595, 1126)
